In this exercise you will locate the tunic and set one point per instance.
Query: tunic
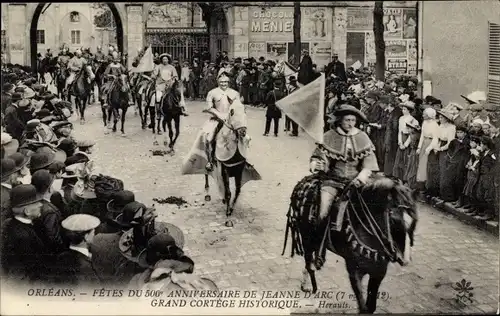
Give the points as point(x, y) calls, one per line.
point(164, 75)
point(346, 156)
point(219, 100)
point(76, 64)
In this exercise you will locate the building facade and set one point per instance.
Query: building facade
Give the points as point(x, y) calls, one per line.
point(460, 50)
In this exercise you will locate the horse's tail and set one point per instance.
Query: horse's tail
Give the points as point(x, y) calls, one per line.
point(304, 203)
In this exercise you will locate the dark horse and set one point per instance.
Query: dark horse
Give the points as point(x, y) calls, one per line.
point(230, 154)
point(169, 109)
point(60, 76)
point(139, 91)
point(373, 232)
point(117, 99)
point(81, 89)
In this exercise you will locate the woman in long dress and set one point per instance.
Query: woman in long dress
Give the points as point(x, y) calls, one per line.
point(410, 176)
point(404, 140)
point(428, 139)
point(437, 158)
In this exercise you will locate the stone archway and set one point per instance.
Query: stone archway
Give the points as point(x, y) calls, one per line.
point(34, 24)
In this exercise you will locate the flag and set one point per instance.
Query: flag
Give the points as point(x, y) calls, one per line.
point(146, 64)
point(306, 107)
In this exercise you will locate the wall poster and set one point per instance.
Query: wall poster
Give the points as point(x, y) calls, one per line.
point(399, 66)
point(395, 48)
point(276, 51)
point(412, 69)
point(409, 23)
point(321, 53)
point(257, 49)
point(393, 23)
point(412, 50)
point(355, 48)
point(359, 19)
point(370, 53)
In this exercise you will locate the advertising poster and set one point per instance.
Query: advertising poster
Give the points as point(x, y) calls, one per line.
point(321, 53)
point(412, 51)
point(355, 48)
point(276, 51)
point(412, 69)
point(409, 23)
point(399, 66)
point(304, 46)
point(257, 49)
point(393, 23)
point(359, 19)
point(370, 54)
point(395, 48)
point(316, 24)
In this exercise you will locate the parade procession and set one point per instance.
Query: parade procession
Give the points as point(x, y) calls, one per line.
point(144, 165)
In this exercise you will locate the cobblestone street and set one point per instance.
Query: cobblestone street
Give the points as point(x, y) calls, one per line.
point(248, 255)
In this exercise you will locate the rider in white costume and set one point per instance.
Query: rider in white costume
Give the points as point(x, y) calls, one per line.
point(75, 64)
point(218, 101)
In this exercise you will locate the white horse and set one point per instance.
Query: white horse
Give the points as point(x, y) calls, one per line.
point(287, 70)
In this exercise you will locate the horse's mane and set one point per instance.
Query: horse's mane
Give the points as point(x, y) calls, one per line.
point(400, 192)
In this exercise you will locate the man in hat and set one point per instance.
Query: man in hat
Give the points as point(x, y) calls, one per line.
point(63, 58)
point(75, 65)
point(10, 179)
point(6, 98)
point(99, 56)
point(265, 82)
point(218, 101)
point(22, 162)
point(14, 125)
point(9, 145)
point(49, 222)
point(305, 74)
point(23, 253)
point(355, 163)
point(113, 71)
point(164, 75)
point(75, 265)
point(291, 86)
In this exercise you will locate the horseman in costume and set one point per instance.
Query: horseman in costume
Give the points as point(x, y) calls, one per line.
point(63, 58)
point(99, 56)
point(347, 157)
point(219, 101)
point(114, 71)
point(164, 75)
point(75, 65)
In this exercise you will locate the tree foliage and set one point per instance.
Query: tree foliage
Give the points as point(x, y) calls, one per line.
point(104, 17)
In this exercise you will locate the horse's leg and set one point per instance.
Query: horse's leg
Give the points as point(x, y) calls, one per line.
point(237, 182)
point(115, 118)
point(207, 189)
point(77, 105)
point(104, 118)
point(124, 113)
point(167, 120)
point(82, 109)
point(356, 277)
point(227, 189)
point(111, 113)
point(308, 283)
point(177, 124)
point(373, 286)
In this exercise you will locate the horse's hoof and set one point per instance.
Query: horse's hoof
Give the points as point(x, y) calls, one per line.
point(110, 127)
point(124, 135)
point(114, 130)
point(106, 131)
point(229, 223)
point(208, 198)
point(305, 288)
point(160, 133)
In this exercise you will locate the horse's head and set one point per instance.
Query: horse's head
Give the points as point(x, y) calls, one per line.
point(237, 117)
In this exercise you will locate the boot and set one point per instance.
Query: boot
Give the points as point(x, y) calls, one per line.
point(320, 253)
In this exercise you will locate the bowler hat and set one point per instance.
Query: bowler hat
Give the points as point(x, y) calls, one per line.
point(24, 194)
point(60, 124)
point(40, 160)
point(346, 109)
point(59, 155)
point(20, 159)
point(7, 87)
point(79, 157)
point(120, 199)
point(67, 145)
point(8, 168)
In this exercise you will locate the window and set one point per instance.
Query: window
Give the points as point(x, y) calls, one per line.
point(75, 37)
point(40, 36)
point(494, 63)
point(74, 17)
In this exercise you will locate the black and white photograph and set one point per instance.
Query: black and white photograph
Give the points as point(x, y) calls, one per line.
point(250, 158)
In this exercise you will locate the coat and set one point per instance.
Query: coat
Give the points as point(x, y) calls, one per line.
point(272, 96)
point(337, 69)
point(108, 262)
point(49, 228)
point(5, 202)
point(13, 123)
point(305, 74)
point(23, 251)
point(74, 268)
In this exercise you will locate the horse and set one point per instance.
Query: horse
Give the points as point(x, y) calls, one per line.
point(81, 88)
point(230, 146)
point(117, 99)
point(60, 76)
point(139, 89)
point(100, 68)
point(284, 68)
point(373, 232)
point(169, 109)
